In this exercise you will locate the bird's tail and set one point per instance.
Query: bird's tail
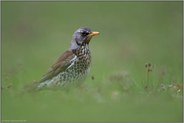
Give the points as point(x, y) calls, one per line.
point(33, 87)
point(36, 86)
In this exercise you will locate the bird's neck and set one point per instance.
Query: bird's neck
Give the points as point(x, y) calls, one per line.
point(81, 50)
point(74, 45)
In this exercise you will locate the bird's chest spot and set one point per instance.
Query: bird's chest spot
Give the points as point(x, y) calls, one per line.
point(84, 58)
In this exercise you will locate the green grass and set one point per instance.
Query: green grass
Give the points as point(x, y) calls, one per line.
point(132, 34)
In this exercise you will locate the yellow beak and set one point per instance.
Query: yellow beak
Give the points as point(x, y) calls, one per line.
point(94, 33)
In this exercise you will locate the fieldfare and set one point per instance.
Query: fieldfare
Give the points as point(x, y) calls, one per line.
point(73, 65)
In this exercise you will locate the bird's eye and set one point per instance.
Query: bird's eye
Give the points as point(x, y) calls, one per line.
point(85, 33)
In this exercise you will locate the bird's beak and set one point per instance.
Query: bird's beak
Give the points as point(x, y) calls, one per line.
point(93, 34)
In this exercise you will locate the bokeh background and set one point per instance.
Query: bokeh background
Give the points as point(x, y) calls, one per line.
point(120, 87)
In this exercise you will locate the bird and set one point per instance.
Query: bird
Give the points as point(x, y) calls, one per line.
point(72, 67)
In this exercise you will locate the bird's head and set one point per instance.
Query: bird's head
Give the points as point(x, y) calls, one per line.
point(81, 37)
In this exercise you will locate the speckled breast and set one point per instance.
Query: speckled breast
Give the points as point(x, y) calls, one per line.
point(79, 69)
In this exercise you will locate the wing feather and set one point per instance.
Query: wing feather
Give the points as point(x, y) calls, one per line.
point(63, 62)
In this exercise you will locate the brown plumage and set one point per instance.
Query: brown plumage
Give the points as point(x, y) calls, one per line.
point(61, 64)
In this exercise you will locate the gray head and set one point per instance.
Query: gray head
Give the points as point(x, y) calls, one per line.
point(81, 37)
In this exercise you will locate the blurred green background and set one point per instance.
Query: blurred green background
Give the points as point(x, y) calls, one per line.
point(132, 34)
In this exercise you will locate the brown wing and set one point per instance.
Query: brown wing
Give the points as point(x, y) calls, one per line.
point(63, 62)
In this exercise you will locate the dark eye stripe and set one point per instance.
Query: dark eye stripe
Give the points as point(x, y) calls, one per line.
point(85, 33)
